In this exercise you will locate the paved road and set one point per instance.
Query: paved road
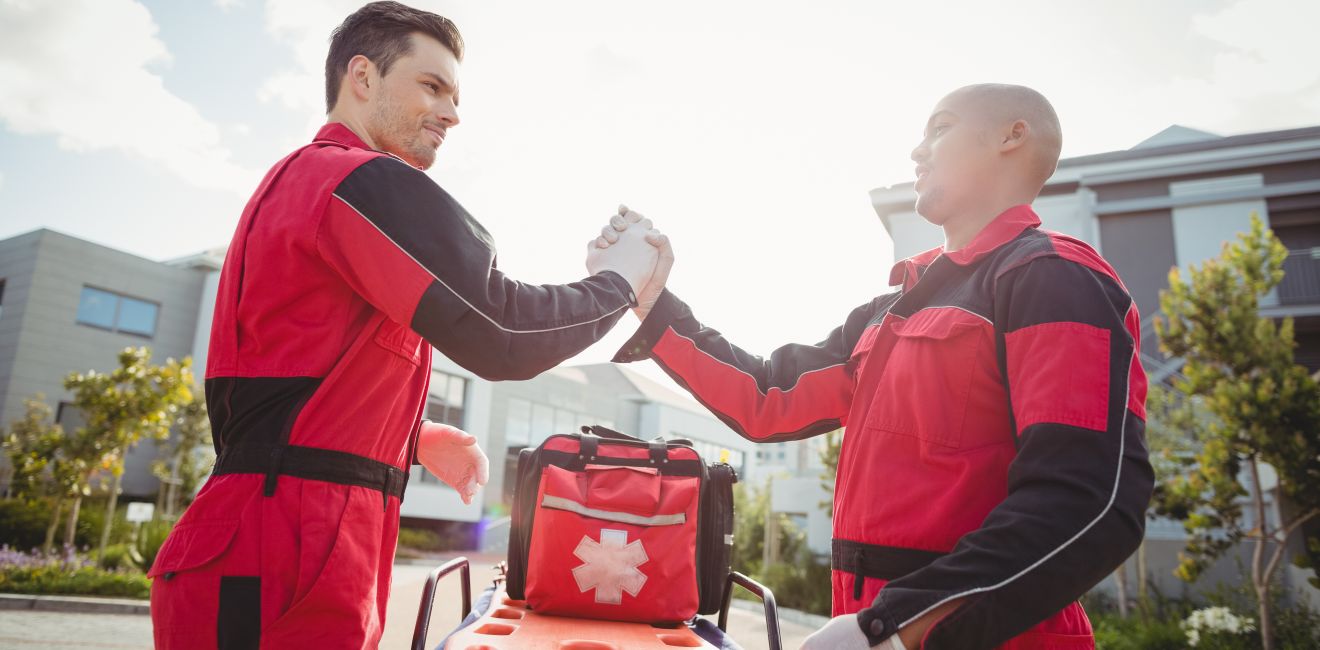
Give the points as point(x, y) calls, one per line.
point(21, 630)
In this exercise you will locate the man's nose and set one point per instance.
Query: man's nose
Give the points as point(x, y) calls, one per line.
point(448, 115)
point(920, 153)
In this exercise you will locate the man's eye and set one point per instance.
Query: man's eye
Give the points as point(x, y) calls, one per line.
point(432, 87)
point(939, 130)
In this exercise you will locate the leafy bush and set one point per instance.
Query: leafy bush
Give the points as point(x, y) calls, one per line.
point(803, 585)
point(23, 522)
point(1297, 627)
point(66, 573)
point(121, 557)
point(1159, 623)
point(151, 538)
point(1133, 633)
point(87, 581)
point(92, 516)
point(421, 539)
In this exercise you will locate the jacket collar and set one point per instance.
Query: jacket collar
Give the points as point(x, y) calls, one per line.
point(1005, 227)
point(338, 132)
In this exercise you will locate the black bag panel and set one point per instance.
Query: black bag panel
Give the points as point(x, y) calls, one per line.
point(715, 536)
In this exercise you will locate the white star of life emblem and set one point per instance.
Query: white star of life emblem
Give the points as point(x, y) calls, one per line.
point(610, 566)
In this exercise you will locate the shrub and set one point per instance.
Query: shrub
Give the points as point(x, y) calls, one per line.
point(66, 573)
point(23, 522)
point(152, 537)
point(803, 585)
point(421, 539)
point(121, 557)
point(1133, 633)
point(87, 581)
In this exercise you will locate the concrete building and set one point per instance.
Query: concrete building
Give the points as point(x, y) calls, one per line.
point(69, 305)
point(1174, 200)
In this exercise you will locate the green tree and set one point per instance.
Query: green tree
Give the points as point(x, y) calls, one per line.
point(188, 459)
point(133, 401)
point(752, 520)
point(1263, 408)
point(30, 444)
point(51, 462)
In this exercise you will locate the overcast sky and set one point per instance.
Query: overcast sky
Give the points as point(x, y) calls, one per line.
point(749, 131)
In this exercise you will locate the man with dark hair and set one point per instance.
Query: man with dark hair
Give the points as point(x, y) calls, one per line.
point(994, 466)
point(347, 266)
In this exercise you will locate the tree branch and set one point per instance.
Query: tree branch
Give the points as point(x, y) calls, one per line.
point(1287, 532)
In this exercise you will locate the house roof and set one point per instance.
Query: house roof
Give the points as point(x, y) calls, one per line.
point(647, 389)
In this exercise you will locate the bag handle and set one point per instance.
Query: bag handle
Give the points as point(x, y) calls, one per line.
point(603, 432)
point(659, 451)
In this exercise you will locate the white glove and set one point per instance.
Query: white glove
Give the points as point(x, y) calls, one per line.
point(453, 456)
point(843, 633)
point(619, 223)
point(631, 256)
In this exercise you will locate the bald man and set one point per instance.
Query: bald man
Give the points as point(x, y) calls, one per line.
point(994, 467)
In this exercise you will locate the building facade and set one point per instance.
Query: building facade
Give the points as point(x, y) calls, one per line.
point(71, 305)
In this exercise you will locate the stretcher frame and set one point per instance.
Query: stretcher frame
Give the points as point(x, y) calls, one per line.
point(461, 564)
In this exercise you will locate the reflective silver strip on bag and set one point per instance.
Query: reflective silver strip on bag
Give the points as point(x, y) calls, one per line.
point(560, 503)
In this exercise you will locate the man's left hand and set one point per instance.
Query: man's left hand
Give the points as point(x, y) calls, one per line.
point(452, 455)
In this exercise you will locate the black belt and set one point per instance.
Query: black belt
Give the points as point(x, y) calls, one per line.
point(875, 561)
point(311, 463)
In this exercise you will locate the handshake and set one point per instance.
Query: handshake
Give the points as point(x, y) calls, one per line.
point(631, 246)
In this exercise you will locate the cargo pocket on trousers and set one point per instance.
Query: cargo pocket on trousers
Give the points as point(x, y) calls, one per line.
point(193, 546)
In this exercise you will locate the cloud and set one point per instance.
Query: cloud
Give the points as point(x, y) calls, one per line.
point(226, 5)
point(1266, 64)
point(82, 71)
point(304, 26)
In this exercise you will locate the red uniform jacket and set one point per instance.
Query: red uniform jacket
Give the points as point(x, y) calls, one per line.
point(994, 451)
point(347, 267)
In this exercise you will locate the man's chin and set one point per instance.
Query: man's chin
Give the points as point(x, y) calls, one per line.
point(421, 159)
point(928, 207)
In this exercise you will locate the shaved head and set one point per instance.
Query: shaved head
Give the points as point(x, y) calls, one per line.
point(1002, 104)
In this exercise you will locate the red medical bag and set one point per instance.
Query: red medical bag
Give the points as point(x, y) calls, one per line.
point(608, 526)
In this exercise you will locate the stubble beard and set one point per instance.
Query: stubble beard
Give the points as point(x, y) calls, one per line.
point(401, 137)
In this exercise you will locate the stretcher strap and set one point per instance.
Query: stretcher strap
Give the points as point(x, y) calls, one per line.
point(560, 503)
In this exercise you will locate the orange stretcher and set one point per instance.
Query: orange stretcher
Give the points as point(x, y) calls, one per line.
point(507, 624)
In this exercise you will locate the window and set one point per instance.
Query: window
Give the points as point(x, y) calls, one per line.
point(445, 404)
point(117, 313)
point(447, 396)
point(543, 422)
point(518, 423)
point(2, 295)
point(527, 423)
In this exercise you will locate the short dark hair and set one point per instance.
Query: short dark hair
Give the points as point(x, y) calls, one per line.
point(382, 31)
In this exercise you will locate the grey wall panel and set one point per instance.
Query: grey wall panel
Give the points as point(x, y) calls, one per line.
point(1140, 247)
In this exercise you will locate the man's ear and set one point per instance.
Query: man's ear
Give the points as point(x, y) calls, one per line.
point(1014, 135)
point(361, 76)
